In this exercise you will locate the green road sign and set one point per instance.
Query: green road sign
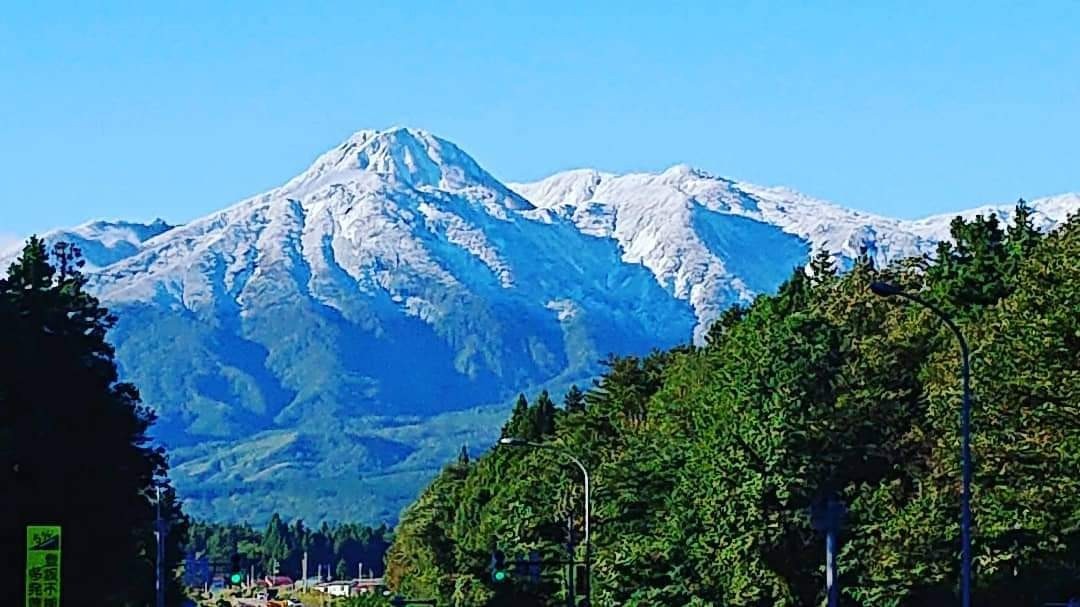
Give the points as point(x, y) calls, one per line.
point(42, 566)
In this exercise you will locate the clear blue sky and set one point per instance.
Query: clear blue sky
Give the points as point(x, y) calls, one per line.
point(138, 110)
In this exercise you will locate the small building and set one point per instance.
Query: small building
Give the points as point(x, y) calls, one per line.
point(368, 586)
point(337, 588)
point(347, 588)
point(277, 581)
point(312, 582)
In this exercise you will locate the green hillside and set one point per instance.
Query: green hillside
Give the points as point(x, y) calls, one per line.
point(706, 461)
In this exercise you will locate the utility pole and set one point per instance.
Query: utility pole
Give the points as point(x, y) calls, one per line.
point(830, 568)
point(159, 534)
point(303, 572)
point(828, 516)
point(571, 598)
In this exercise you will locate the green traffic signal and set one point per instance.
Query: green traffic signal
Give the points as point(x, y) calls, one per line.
point(498, 569)
point(235, 570)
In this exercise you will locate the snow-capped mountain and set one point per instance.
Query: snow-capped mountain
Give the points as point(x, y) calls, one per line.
point(346, 325)
point(102, 242)
point(1049, 212)
point(713, 241)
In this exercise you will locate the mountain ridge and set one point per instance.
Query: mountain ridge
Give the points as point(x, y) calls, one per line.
point(385, 305)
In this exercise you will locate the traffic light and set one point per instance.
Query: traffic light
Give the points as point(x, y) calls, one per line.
point(534, 568)
point(581, 579)
point(499, 572)
point(236, 570)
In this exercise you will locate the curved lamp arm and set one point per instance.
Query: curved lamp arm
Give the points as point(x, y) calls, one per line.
point(885, 289)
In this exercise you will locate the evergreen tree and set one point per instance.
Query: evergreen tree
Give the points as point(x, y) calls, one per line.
point(298, 539)
point(275, 545)
point(1022, 235)
point(971, 272)
point(794, 293)
point(865, 259)
point(73, 441)
point(728, 318)
point(351, 543)
point(543, 417)
point(574, 401)
point(822, 267)
point(1021, 239)
point(320, 546)
point(519, 419)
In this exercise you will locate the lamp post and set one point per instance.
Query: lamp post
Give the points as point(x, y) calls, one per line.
point(520, 442)
point(885, 289)
point(828, 515)
point(159, 561)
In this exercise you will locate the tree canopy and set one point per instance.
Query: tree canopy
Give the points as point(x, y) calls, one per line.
point(339, 550)
point(706, 460)
point(74, 450)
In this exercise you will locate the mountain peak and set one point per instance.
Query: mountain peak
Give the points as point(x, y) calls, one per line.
point(402, 156)
point(391, 288)
point(683, 170)
point(571, 187)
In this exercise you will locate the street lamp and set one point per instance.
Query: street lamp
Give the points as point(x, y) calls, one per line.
point(520, 442)
point(885, 289)
point(828, 516)
point(161, 530)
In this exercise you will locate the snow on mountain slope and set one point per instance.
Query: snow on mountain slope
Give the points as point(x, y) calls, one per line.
point(700, 236)
point(596, 199)
point(381, 307)
point(710, 241)
point(102, 242)
point(393, 257)
point(713, 241)
point(1048, 212)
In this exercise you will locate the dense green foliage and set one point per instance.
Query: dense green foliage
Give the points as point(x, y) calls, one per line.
point(362, 469)
point(279, 549)
point(73, 444)
point(366, 600)
point(707, 460)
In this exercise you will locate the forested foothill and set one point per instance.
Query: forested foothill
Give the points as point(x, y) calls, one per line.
point(706, 461)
